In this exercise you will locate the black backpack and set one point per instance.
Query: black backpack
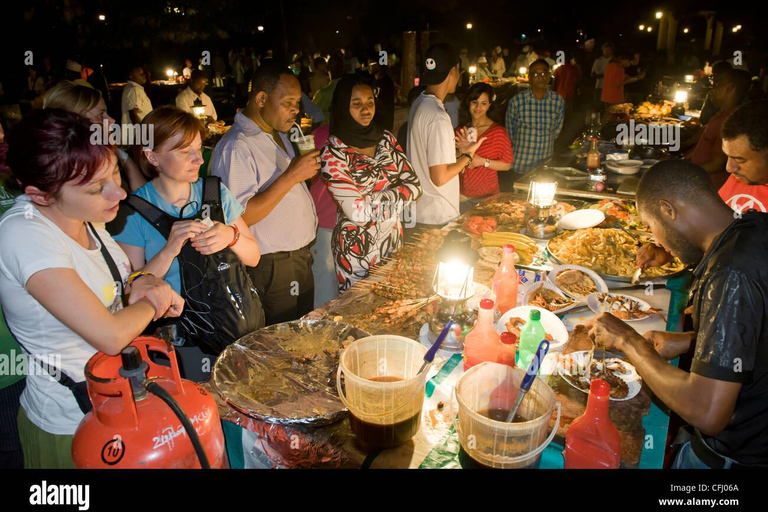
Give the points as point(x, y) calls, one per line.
point(221, 303)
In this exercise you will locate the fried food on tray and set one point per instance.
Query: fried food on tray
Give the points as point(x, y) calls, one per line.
point(576, 282)
point(608, 251)
point(549, 299)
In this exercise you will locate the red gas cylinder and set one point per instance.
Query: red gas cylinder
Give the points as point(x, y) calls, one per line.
point(130, 427)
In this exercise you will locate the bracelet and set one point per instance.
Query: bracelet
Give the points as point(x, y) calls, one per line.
point(135, 276)
point(236, 237)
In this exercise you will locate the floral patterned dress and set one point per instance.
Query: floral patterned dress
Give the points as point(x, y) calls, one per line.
point(374, 195)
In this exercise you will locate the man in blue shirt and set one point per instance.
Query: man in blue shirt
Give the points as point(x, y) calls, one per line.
point(534, 120)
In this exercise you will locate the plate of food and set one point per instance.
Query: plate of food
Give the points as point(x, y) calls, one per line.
point(620, 212)
point(577, 282)
point(611, 253)
point(624, 307)
point(547, 296)
point(514, 319)
point(525, 247)
point(622, 376)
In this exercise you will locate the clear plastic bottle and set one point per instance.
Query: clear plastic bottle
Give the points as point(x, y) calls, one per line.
point(593, 441)
point(506, 281)
point(482, 342)
point(593, 156)
point(531, 336)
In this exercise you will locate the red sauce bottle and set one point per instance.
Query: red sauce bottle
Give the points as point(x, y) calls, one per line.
point(593, 441)
point(507, 349)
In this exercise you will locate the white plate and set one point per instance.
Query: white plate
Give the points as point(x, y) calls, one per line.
point(528, 295)
point(601, 285)
point(594, 305)
point(577, 361)
point(552, 325)
point(625, 166)
point(581, 219)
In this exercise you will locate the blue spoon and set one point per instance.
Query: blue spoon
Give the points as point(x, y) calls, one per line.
point(530, 375)
point(430, 355)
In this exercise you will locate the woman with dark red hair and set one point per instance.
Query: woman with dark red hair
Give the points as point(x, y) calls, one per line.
point(62, 281)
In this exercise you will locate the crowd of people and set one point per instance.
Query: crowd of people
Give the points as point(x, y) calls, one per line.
point(296, 229)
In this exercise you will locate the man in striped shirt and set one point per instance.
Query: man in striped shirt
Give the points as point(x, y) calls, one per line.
point(534, 120)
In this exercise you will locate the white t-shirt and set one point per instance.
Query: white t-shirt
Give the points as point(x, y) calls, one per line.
point(186, 98)
point(29, 246)
point(599, 68)
point(134, 96)
point(431, 142)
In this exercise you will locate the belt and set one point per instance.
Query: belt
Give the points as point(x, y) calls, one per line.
point(284, 255)
point(708, 456)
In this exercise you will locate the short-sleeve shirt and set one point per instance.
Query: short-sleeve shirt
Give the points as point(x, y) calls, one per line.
point(567, 77)
point(730, 305)
point(711, 142)
point(140, 233)
point(431, 142)
point(599, 69)
point(613, 84)
point(185, 100)
point(742, 197)
point(533, 125)
point(482, 181)
point(32, 243)
point(134, 96)
point(248, 160)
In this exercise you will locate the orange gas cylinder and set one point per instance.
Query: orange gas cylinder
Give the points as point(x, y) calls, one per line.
point(130, 426)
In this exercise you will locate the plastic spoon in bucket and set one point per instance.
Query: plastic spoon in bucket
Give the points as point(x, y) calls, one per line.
point(430, 355)
point(530, 376)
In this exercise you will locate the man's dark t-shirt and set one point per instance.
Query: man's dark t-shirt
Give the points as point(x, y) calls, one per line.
point(730, 316)
point(384, 90)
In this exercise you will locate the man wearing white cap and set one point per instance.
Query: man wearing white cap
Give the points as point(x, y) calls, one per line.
point(73, 73)
point(498, 67)
point(482, 69)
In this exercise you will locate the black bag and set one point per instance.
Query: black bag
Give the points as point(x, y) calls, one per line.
point(222, 304)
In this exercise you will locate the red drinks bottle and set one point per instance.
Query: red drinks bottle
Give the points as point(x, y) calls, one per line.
point(506, 281)
point(482, 342)
point(593, 441)
point(507, 349)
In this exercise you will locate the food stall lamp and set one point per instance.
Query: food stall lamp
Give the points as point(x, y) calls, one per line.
point(102, 17)
point(681, 96)
point(454, 284)
point(650, 29)
point(539, 219)
point(522, 71)
point(472, 69)
point(260, 28)
point(689, 79)
point(169, 72)
point(469, 26)
point(659, 14)
point(685, 30)
point(542, 193)
point(641, 27)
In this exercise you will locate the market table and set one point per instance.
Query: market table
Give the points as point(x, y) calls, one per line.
point(253, 443)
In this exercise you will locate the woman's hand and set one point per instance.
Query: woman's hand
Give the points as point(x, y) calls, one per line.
point(182, 231)
point(215, 239)
point(167, 303)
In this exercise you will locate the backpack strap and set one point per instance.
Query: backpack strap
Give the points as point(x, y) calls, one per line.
point(110, 264)
point(160, 220)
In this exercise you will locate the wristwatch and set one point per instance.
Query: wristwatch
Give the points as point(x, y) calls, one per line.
point(487, 162)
